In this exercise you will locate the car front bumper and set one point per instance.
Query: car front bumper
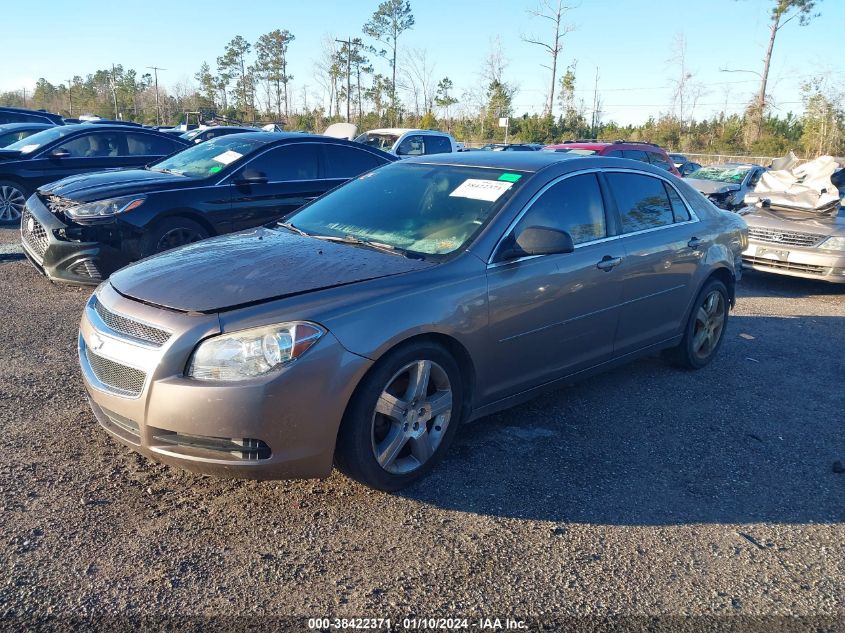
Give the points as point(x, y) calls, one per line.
point(783, 259)
point(45, 242)
point(278, 426)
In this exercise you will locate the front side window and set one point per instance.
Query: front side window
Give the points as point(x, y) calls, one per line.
point(93, 146)
point(347, 162)
point(642, 201)
point(573, 205)
point(209, 158)
point(411, 146)
point(298, 161)
point(425, 209)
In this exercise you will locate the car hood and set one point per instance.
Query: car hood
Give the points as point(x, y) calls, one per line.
point(108, 184)
point(711, 186)
point(251, 267)
point(795, 220)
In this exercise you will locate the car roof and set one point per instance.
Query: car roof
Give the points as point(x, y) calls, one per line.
point(519, 161)
point(28, 125)
point(399, 131)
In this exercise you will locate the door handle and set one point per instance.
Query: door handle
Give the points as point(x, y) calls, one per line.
point(608, 263)
point(694, 242)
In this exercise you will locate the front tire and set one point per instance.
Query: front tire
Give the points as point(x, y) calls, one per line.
point(172, 233)
point(12, 199)
point(402, 417)
point(705, 329)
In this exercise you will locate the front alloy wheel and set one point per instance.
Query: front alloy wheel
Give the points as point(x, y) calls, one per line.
point(402, 417)
point(12, 201)
point(411, 417)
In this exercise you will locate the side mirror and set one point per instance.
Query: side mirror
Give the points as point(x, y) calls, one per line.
point(59, 153)
point(252, 177)
point(538, 240)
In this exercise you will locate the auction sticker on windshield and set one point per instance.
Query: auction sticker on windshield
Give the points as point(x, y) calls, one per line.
point(476, 189)
point(227, 157)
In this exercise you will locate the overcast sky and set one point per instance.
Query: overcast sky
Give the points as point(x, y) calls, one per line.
point(629, 41)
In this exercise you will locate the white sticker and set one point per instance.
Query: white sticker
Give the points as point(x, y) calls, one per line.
point(227, 157)
point(489, 190)
point(26, 149)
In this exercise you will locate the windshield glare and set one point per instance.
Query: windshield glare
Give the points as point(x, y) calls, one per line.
point(381, 141)
point(209, 158)
point(733, 175)
point(39, 139)
point(426, 209)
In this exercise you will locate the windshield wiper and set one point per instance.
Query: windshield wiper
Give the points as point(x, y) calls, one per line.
point(293, 229)
point(377, 246)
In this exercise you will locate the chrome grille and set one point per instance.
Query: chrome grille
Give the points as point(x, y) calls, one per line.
point(130, 327)
point(123, 380)
point(790, 238)
point(36, 236)
point(56, 204)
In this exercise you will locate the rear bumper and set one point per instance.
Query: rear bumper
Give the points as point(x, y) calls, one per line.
point(808, 263)
point(62, 259)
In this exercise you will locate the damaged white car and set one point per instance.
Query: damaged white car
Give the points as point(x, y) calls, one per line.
point(796, 224)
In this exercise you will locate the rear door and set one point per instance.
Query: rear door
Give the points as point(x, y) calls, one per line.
point(294, 177)
point(663, 250)
point(554, 315)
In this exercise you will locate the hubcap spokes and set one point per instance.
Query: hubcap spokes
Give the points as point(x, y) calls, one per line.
point(11, 203)
point(709, 323)
point(411, 417)
point(178, 237)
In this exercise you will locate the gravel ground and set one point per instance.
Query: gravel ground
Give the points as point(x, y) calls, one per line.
point(645, 491)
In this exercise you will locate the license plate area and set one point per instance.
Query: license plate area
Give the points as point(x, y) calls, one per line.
point(773, 253)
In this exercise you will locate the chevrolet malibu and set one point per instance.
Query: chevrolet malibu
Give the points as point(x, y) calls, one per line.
point(367, 326)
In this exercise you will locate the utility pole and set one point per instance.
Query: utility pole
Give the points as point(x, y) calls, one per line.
point(114, 92)
point(595, 105)
point(70, 94)
point(24, 97)
point(155, 70)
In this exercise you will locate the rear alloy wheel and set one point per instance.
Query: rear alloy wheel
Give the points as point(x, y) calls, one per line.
point(705, 328)
point(12, 200)
point(402, 417)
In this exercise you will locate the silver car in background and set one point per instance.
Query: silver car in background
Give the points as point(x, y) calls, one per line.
point(725, 184)
point(366, 327)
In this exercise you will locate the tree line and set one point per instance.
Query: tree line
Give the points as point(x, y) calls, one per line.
point(374, 80)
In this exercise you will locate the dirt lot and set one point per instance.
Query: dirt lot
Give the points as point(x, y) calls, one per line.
point(646, 491)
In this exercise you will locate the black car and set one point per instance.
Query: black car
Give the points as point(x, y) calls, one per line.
point(200, 135)
point(24, 115)
point(67, 150)
point(12, 132)
point(81, 229)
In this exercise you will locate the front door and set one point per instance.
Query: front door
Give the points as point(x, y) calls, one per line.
point(555, 315)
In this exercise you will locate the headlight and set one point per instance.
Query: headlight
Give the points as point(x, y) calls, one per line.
point(834, 244)
point(105, 208)
point(254, 352)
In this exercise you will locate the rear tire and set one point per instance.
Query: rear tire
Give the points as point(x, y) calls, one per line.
point(172, 233)
point(705, 328)
point(12, 199)
point(402, 417)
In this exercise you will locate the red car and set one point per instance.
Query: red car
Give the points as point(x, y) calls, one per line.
point(636, 150)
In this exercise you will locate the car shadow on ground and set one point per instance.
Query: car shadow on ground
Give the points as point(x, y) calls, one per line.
point(751, 438)
point(759, 284)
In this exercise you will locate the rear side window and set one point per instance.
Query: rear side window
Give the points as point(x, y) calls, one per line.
point(97, 145)
point(149, 145)
point(573, 205)
point(615, 153)
point(635, 154)
point(642, 200)
point(298, 161)
point(659, 160)
point(436, 144)
point(347, 162)
point(679, 209)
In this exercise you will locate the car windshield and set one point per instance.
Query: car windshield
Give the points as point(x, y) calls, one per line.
point(423, 209)
point(573, 150)
point(209, 158)
point(381, 141)
point(721, 173)
point(39, 139)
